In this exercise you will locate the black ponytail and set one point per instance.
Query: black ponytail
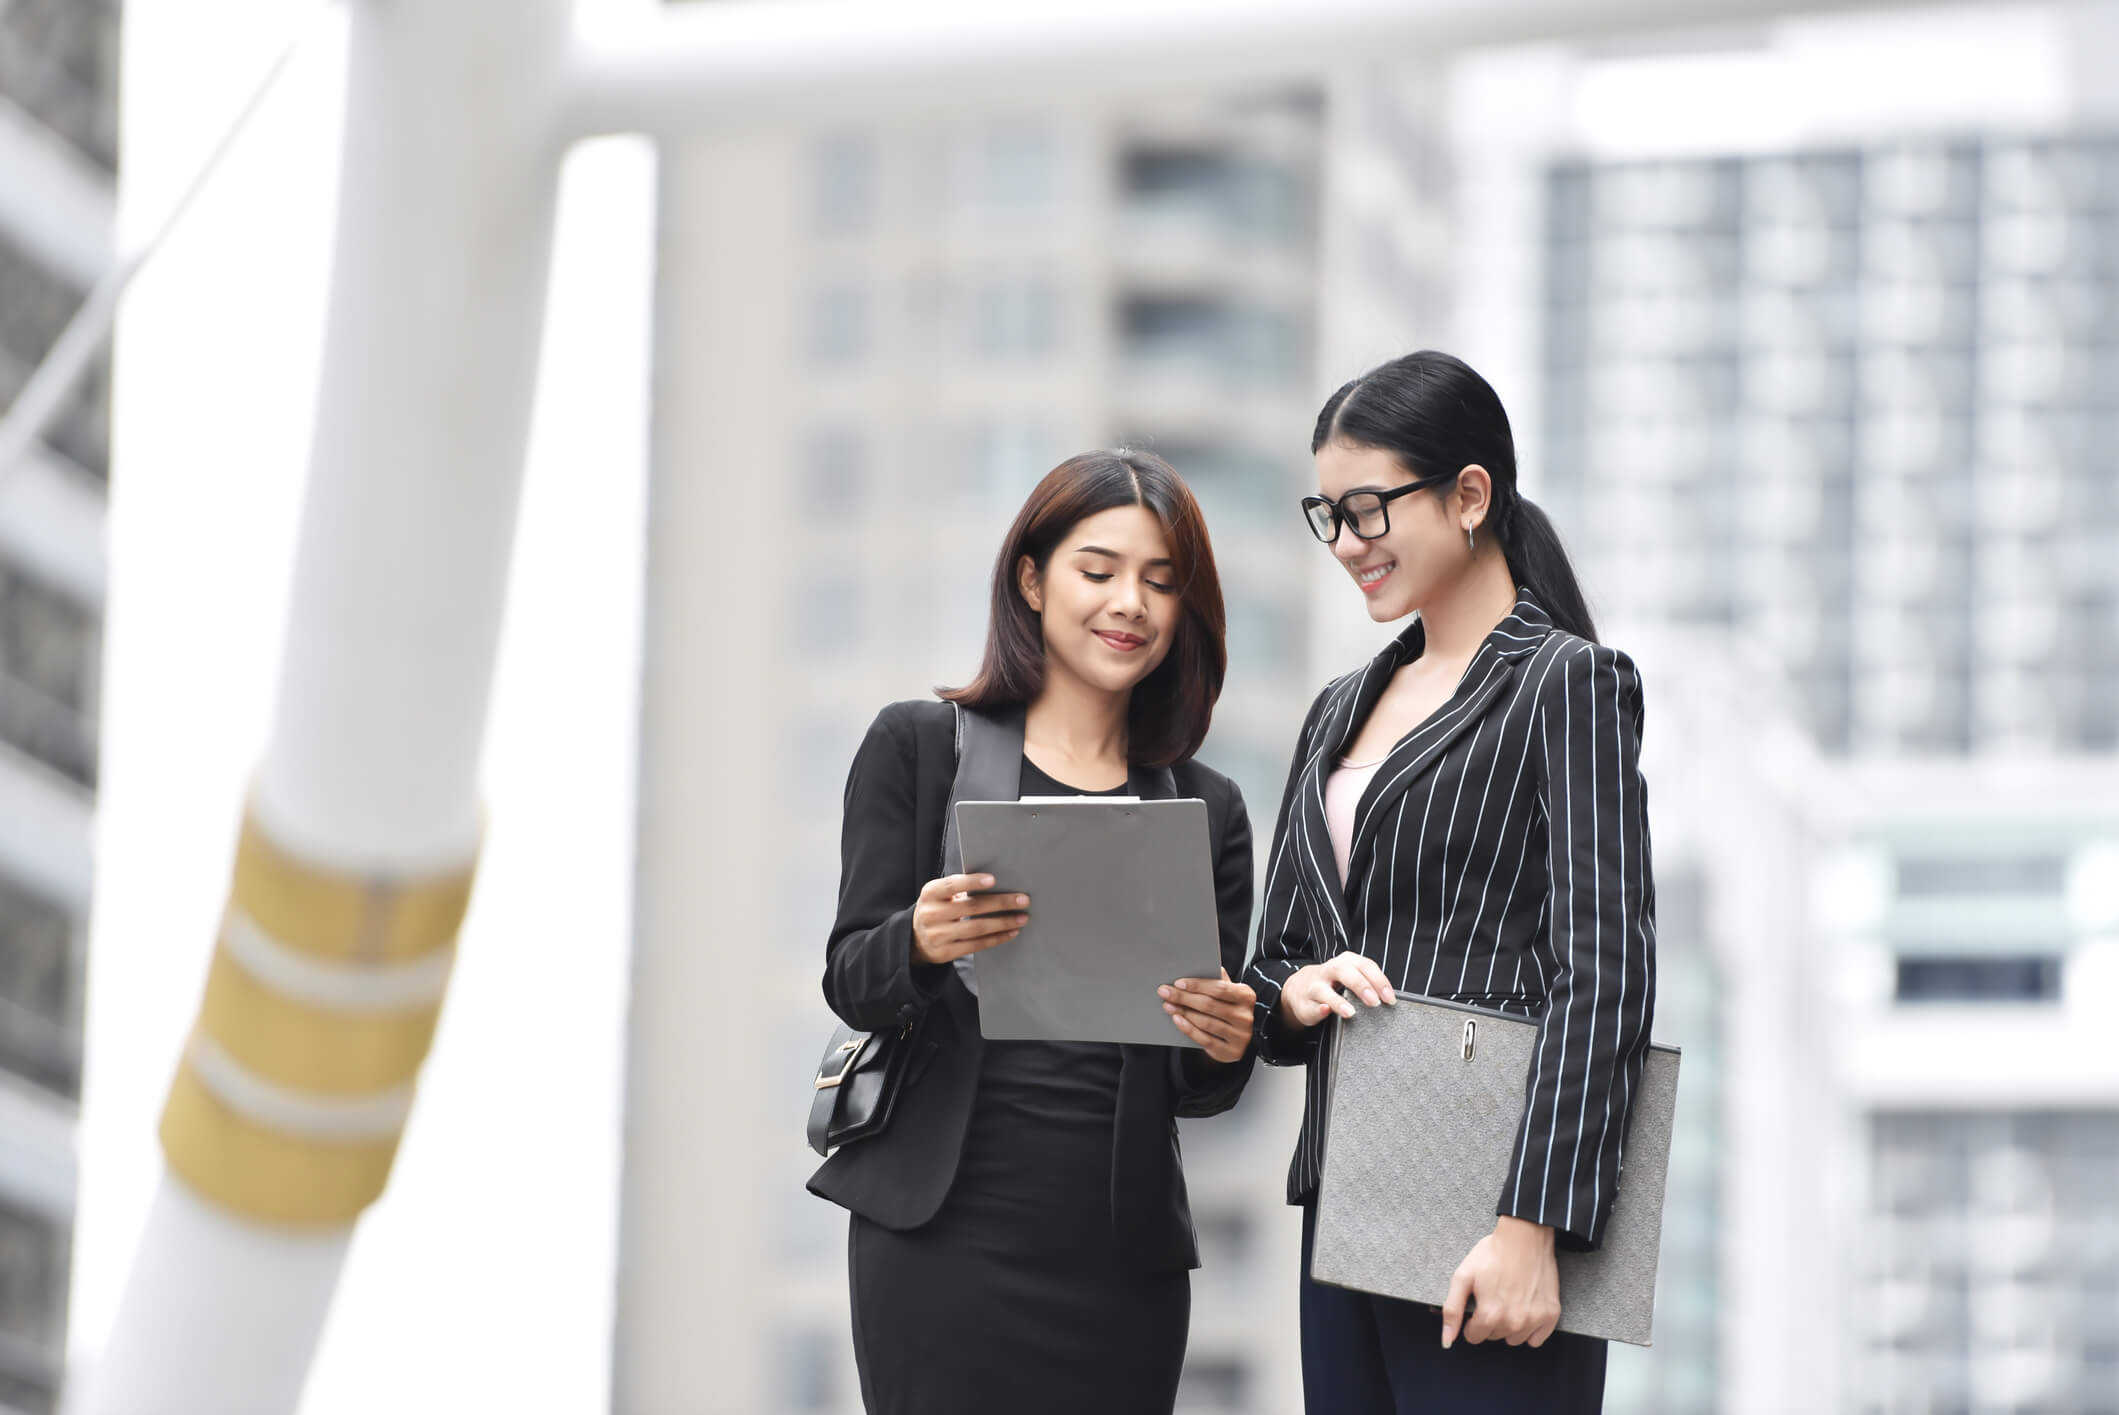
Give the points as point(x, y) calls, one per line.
point(1539, 562)
point(1434, 413)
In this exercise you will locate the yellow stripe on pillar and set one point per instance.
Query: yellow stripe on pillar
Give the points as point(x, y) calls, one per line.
point(265, 1173)
point(342, 917)
point(265, 1131)
point(307, 1047)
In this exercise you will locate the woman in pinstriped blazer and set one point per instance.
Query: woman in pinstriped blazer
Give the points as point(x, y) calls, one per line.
point(1464, 818)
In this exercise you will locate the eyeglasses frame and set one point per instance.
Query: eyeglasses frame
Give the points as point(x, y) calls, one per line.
point(1383, 498)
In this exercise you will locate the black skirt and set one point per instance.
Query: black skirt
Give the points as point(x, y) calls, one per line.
point(1013, 1298)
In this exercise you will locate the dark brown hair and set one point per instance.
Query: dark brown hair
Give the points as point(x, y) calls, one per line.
point(1173, 706)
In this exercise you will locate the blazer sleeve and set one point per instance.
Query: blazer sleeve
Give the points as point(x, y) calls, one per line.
point(1598, 956)
point(1200, 1084)
point(1284, 941)
point(870, 978)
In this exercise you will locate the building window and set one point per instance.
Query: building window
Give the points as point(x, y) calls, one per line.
point(837, 328)
point(59, 63)
point(35, 306)
point(832, 473)
point(1003, 459)
point(1009, 176)
point(48, 648)
point(1924, 876)
point(1221, 341)
point(1016, 318)
point(1238, 199)
point(2035, 979)
point(1983, 1229)
point(1233, 482)
point(829, 614)
point(842, 185)
point(1267, 201)
point(33, 1274)
point(40, 993)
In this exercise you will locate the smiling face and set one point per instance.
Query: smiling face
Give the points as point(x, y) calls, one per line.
point(1424, 552)
point(1107, 598)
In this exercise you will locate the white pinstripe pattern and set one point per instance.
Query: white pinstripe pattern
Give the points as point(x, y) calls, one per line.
point(1568, 714)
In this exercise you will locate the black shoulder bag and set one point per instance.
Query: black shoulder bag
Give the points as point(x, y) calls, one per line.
point(862, 1072)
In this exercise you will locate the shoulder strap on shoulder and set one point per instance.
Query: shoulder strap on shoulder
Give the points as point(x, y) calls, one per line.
point(988, 768)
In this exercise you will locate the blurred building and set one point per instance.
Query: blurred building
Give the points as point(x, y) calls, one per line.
point(1822, 418)
point(874, 342)
point(1845, 404)
point(1852, 405)
point(58, 156)
point(1974, 924)
point(1855, 403)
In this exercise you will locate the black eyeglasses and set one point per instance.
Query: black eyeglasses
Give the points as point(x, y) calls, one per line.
point(1366, 513)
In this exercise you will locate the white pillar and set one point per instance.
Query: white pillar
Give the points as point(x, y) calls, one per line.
point(356, 859)
point(707, 1076)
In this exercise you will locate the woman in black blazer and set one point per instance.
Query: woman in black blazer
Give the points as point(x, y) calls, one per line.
point(1464, 819)
point(1020, 1238)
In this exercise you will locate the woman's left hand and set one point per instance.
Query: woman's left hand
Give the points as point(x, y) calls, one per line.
point(1217, 1015)
point(1515, 1280)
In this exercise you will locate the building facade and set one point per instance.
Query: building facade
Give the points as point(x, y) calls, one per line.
point(1845, 405)
point(1821, 420)
point(888, 340)
point(58, 158)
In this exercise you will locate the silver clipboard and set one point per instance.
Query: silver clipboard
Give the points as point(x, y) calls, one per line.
point(1121, 902)
point(1424, 1102)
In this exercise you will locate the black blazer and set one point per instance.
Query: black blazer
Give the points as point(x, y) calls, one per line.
point(1500, 857)
point(891, 844)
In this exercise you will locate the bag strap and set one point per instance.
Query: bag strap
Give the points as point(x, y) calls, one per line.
point(989, 767)
point(989, 755)
point(849, 1047)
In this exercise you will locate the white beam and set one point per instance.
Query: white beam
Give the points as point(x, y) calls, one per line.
point(693, 67)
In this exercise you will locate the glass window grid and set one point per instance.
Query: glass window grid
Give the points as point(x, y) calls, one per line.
point(1879, 264)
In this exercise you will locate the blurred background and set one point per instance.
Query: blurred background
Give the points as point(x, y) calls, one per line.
point(1808, 326)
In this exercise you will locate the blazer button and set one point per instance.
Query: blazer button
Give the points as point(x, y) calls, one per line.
point(905, 1013)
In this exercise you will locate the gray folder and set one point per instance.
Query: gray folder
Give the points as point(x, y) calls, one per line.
point(1121, 902)
point(1425, 1100)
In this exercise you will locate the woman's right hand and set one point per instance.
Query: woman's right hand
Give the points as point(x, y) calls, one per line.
point(950, 921)
point(1313, 993)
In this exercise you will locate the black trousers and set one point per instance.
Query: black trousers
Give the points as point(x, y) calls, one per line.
point(1368, 1355)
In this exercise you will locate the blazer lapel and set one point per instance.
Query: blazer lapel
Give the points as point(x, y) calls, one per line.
point(1491, 672)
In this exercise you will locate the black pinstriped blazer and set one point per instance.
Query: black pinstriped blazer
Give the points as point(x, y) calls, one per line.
point(1500, 857)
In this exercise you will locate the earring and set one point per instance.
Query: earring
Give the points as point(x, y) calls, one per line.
point(1469, 543)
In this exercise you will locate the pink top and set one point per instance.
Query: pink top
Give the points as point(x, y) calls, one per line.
point(1342, 793)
